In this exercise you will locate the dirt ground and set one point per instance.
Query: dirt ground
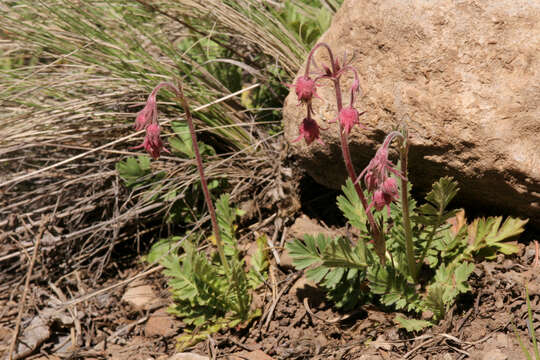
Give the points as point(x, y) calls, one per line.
point(123, 316)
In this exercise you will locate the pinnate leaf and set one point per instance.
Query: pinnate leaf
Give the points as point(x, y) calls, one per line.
point(352, 207)
point(487, 235)
point(412, 324)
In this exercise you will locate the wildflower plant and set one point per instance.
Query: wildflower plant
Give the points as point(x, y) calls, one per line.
point(409, 257)
point(211, 291)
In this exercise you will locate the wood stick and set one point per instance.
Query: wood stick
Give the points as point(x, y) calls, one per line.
point(44, 221)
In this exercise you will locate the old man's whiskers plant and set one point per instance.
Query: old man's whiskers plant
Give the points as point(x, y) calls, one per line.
point(408, 257)
point(211, 291)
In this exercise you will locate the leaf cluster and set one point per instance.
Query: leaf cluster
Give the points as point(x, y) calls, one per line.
point(207, 296)
point(335, 264)
point(445, 249)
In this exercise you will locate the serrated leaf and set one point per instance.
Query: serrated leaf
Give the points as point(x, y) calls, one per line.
point(433, 212)
point(334, 264)
point(259, 263)
point(411, 325)
point(183, 144)
point(133, 169)
point(307, 252)
point(352, 207)
point(393, 288)
point(225, 218)
point(487, 236)
point(339, 253)
point(449, 282)
point(161, 248)
point(434, 301)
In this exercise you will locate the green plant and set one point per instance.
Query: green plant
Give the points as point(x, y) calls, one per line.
point(210, 292)
point(408, 257)
point(530, 327)
point(207, 295)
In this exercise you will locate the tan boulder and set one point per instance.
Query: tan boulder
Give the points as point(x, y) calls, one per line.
point(468, 75)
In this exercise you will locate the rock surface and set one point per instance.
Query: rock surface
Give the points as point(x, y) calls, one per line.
point(468, 75)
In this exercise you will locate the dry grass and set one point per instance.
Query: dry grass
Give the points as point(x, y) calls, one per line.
point(72, 77)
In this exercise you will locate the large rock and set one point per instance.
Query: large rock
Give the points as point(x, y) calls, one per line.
point(468, 74)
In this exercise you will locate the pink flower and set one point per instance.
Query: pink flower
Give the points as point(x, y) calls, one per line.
point(348, 117)
point(379, 200)
point(310, 131)
point(377, 177)
point(148, 114)
point(387, 193)
point(152, 141)
point(305, 88)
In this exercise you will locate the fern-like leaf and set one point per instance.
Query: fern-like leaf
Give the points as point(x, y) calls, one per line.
point(393, 288)
point(225, 217)
point(449, 282)
point(433, 211)
point(488, 236)
point(411, 324)
point(352, 207)
point(332, 263)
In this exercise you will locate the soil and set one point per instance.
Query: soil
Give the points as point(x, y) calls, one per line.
point(129, 320)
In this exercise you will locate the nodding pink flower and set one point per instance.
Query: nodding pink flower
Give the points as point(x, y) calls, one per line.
point(148, 114)
point(377, 176)
point(379, 200)
point(348, 117)
point(389, 186)
point(385, 195)
point(152, 141)
point(305, 88)
point(310, 131)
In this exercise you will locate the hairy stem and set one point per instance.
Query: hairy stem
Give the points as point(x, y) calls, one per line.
point(345, 150)
point(198, 158)
point(409, 248)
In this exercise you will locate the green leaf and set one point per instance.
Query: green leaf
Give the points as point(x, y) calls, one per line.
point(411, 325)
point(393, 288)
point(488, 236)
point(434, 302)
point(332, 263)
point(161, 248)
point(225, 217)
point(183, 144)
point(442, 192)
point(308, 252)
point(352, 207)
point(259, 263)
point(133, 170)
point(449, 282)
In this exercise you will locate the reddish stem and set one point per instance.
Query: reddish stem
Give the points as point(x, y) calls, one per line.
point(377, 234)
point(179, 91)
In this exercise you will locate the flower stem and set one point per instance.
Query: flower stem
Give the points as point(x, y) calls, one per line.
point(179, 91)
point(345, 150)
point(409, 248)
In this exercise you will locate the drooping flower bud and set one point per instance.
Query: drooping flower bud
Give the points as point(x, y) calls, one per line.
point(305, 88)
point(146, 116)
point(379, 200)
point(371, 181)
point(309, 131)
point(152, 141)
point(348, 117)
point(377, 177)
point(389, 187)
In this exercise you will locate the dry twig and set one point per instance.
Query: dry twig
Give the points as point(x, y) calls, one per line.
point(12, 355)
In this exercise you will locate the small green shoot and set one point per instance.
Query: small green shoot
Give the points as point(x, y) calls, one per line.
point(532, 334)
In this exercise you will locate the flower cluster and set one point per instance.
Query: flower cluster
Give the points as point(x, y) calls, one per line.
point(147, 119)
point(305, 88)
point(378, 179)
